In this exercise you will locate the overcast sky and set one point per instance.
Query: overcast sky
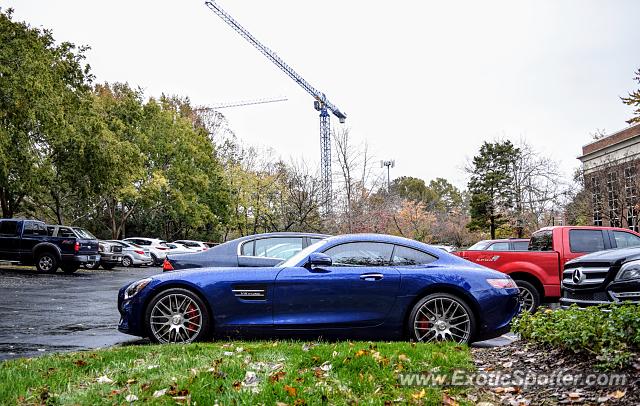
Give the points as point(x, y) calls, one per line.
point(423, 82)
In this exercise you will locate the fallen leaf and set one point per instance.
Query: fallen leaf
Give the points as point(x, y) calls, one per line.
point(618, 394)
point(80, 363)
point(104, 379)
point(403, 357)
point(159, 393)
point(281, 404)
point(361, 353)
point(290, 390)
point(153, 366)
point(575, 395)
point(603, 399)
point(130, 381)
point(250, 379)
point(237, 385)
point(228, 353)
point(326, 367)
point(131, 398)
point(507, 364)
point(277, 376)
point(419, 395)
point(448, 400)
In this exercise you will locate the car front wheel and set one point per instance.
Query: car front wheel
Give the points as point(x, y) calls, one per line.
point(177, 316)
point(441, 317)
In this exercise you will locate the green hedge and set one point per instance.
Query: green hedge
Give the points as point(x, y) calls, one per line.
point(610, 333)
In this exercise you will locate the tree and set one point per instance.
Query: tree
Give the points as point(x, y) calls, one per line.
point(634, 100)
point(43, 86)
point(415, 189)
point(490, 185)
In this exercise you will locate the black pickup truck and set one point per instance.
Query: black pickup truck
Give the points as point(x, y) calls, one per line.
point(49, 247)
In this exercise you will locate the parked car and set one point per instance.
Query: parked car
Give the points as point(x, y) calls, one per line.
point(537, 272)
point(133, 254)
point(365, 286)
point(110, 256)
point(48, 247)
point(175, 248)
point(507, 244)
point(611, 276)
point(255, 250)
point(157, 249)
point(195, 245)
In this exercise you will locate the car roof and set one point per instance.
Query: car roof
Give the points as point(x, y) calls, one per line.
point(280, 234)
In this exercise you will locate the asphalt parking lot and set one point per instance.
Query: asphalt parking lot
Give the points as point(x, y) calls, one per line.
point(45, 313)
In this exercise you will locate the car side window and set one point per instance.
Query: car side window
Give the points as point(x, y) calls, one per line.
point(31, 228)
point(520, 245)
point(9, 228)
point(247, 248)
point(499, 246)
point(361, 254)
point(586, 240)
point(278, 247)
point(624, 239)
point(65, 232)
point(405, 256)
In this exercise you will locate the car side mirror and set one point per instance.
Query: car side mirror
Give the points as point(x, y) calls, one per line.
point(318, 259)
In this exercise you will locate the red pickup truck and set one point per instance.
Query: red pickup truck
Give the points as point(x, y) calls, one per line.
point(538, 270)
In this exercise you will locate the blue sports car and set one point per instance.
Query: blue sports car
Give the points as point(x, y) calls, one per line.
point(364, 286)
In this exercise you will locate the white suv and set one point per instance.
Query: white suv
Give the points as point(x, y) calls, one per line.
point(156, 247)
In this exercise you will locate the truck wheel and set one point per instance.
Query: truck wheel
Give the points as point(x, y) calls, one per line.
point(529, 296)
point(127, 262)
point(69, 269)
point(46, 262)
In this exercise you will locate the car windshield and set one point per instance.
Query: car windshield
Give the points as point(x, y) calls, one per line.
point(294, 260)
point(479, 246)
point(82, 233)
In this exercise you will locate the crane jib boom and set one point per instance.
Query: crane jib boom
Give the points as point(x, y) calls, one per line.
point(273, 57)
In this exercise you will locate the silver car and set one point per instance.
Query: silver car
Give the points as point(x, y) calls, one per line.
point(133, 254)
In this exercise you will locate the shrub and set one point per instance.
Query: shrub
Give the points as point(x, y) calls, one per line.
point(611, 333)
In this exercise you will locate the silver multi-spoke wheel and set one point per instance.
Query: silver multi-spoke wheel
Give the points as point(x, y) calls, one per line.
point(46, 263)
point(527, 302)
point(442, 318)
point(176, 318)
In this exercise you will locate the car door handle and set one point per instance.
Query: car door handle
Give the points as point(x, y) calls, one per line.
point(371, 276)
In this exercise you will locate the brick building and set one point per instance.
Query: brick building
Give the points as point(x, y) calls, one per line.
point(611, 166)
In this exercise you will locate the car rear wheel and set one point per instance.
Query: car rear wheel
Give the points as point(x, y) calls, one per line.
point(177, 316)
point(441, 317)
point(46, 262)
point(127, 262)
point(529, 296)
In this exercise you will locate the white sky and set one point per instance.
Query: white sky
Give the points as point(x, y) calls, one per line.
point(423, 82)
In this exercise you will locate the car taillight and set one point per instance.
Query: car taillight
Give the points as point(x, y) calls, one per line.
point(139, 252)
point(166, 265)
point(77, 247)
point(162, 248)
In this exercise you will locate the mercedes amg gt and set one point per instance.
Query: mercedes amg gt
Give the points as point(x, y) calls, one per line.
point(361, 286)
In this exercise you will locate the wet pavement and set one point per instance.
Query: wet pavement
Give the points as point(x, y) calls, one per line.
point(45, 313)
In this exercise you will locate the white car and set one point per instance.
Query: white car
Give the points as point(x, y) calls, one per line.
point(198, 246)
point(157, 249)
point(175, 248)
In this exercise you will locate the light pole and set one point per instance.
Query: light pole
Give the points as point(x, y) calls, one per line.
point(389, 164)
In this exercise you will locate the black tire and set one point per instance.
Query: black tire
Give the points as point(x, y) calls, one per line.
point(46, 262)
point(69, 269)
point(203, 332)
point(529, 296)
point(127, 262)
point(456, 307)
point(92, 265)
point(156, 260)
point(108, 267)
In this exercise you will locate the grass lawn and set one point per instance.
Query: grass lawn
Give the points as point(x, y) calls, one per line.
point(234, 372)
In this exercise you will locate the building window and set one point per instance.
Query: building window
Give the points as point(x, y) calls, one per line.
point(631, 197)
point(612, 199)
point(597, 202)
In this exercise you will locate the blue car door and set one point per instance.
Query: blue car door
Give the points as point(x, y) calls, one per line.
point(358, 290)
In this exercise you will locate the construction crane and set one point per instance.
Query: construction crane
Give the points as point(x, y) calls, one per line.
point(321, 103)
point(247, 103)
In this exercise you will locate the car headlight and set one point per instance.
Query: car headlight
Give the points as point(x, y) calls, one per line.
point(502, 283)
point(630, 270)
point(135, 288)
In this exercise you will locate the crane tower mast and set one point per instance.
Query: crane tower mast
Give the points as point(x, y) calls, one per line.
point(321, 103)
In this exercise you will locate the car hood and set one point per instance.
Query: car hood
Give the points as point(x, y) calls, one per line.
point(609, 256)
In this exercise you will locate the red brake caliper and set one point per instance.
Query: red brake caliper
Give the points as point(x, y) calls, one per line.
point(191, 323)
